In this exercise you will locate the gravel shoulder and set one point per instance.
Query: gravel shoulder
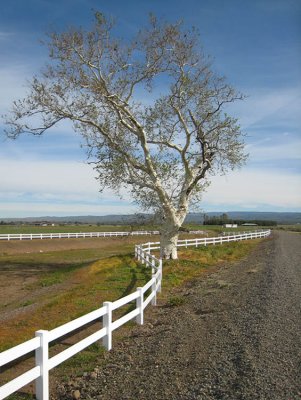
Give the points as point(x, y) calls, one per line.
point(236, 336)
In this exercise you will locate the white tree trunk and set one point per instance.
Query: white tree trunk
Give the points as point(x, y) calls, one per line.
point(170, 230)
point(168, 244)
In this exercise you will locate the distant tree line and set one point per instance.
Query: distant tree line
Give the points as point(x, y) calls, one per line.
point(224, 219)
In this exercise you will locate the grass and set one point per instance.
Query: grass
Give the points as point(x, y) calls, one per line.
point(16, 229)
point(193, 262)
point(292, 228)
point(76, 283)
point(85, 287)
point(176, 301)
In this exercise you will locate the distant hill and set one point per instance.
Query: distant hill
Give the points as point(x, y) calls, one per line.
point(279, 217)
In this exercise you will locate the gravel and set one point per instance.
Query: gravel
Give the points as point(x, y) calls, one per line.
point(236, 336)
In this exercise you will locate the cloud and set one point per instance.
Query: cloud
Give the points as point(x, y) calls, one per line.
point(4, 36)
point(12, 83)
point(50, 209)
point(267, 149)
point(70, 188)
point(263, 106)
point(50, 178)
point(44, 187)
point(252, 188)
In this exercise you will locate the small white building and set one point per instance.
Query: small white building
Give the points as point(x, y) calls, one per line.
point(230, 226)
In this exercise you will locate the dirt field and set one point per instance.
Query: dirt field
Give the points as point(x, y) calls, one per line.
point(35, 246)
point(24, 263)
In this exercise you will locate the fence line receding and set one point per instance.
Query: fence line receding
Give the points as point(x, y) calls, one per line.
point(141, 298)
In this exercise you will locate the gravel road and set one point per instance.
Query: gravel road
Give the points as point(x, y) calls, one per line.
point(237, 336)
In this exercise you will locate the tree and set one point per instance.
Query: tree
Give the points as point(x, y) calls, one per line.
point(162, 144)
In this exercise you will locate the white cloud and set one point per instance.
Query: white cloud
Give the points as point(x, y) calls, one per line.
point(261, 104)
point(70, 188)
point(267, 150)
point(252, 188)
point(50, 209)
point(6, 35)
point(47, 177)
point(51, 180)
point(12, 83)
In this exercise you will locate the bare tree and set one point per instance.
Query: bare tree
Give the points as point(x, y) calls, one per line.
point(152, 112)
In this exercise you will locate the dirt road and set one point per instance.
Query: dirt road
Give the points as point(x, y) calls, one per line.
point(237, 336)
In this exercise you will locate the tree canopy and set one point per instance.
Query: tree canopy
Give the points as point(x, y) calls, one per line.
point(152, 112)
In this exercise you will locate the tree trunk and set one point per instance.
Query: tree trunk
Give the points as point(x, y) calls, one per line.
point(168, 244)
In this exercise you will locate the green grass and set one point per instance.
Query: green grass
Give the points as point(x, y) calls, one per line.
point(193, 261)
point(17, 229)
point(292, 228)
point(87, 283)
point(176, 301)
point(90, 277)
point(85, 287)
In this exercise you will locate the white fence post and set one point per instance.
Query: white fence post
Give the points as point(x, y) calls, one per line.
point(136, 252)
point(161, 275)
point(142, 256)
point(107, 322)
point(42, 382)
point(154, 299)
point(153, 263)
point(139, 305)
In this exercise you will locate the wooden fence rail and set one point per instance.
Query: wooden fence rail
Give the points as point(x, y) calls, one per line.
point(141, 298)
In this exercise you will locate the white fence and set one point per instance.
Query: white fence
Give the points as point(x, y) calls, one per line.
point(142, 297)
point(143, 251)
point(31, 236)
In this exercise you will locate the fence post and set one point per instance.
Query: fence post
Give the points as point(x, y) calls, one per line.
point(139, 305)
point(142, 255)
point(107, 322)
point(161, 275)
point(153, 263)
point(42, 382)
point(154, 299)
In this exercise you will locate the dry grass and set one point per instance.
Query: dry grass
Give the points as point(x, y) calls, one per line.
point(71, 283)
point(73, 293)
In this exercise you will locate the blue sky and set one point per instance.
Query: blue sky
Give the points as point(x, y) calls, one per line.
point(255, 44)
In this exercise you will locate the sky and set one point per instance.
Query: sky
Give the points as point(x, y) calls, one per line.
point(254, 43)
